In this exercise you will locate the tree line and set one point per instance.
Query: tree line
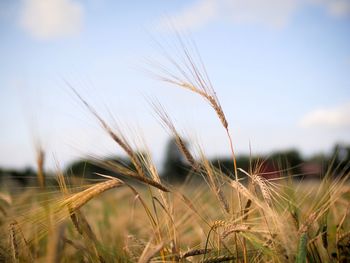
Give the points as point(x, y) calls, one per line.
point(175, 168)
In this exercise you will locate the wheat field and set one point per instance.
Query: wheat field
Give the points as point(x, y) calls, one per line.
point(212, 217)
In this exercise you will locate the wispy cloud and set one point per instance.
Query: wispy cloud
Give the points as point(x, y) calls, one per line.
point(271, 13)
point(193, 16)
point(336, 8)
point(336, 117)
point(50, 19)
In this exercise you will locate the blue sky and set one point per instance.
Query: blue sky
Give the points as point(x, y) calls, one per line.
point(280, 68)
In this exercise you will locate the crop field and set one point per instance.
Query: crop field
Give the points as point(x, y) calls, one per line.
point(213, 216)
point(224, 220)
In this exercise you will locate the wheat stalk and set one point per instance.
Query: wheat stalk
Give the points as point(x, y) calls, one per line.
point(119, 139)
point(216, 259)
point(40, 159)
point(112, 166)
point(195, 252)
point(79, 199)
point(234, 228)
point(167, 122)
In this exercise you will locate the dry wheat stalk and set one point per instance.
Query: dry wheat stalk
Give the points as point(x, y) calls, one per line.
point(246, 209)
point(54, 248)
point(133, 243)
point(194, 78)
point(168, 123)
point(18, 242)
point(14, 242)
point(195, 252)
point(120, 140)
point(127, 172)
point(262, 183)
point(148, 253)
point(79, 199)
point(308, 222)
point(216, 259)
point(234, 228)
point(246, 193)
point(219, 223)
point(213, 183)
point(73, 215)
point(40, 159)
point(75, 244)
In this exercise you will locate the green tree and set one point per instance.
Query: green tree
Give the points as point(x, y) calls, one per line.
point(175, 168)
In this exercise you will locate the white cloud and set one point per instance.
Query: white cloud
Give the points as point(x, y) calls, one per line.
point(339, 8)
point(274, 13)
point(336, 117)
point(195, 15)
point(49, 19)
point(271, 13)
point(335, 8)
